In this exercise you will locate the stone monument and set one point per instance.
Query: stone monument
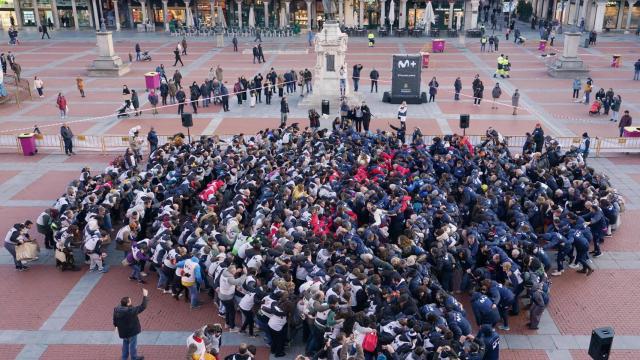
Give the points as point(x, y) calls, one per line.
point(331, 51)
point(569, 65)
point(108, 64)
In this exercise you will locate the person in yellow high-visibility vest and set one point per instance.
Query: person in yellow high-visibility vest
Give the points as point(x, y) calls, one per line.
point(372, 40)
point(499, 69)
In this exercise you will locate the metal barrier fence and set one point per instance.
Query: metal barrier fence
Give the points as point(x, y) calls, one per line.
point(116, 144)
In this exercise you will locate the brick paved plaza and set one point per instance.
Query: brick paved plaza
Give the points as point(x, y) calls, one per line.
point(47, 314)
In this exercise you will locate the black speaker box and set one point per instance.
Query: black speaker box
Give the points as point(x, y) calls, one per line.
point(464, 121)
point(601, 341)
point(187, 120)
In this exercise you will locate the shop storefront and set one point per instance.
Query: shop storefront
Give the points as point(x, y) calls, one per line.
point(416, 14)
point(65, 13)
point(28, 13)
point(7, 11)
point(616, 15)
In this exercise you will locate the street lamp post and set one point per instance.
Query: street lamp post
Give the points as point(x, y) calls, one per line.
point(561, 17)
point(103, 27)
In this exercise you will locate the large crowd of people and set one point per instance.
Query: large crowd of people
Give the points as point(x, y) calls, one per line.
point(358, 241)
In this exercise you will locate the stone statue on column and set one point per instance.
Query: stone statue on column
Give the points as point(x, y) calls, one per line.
point(329, 7)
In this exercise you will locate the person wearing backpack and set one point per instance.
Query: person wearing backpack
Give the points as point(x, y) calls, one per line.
point(539, 301)
point(191, 278)
point(93, 248)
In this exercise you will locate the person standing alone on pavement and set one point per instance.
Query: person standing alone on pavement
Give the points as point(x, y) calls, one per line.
point(515, 99)
point(495, 94)
point(433, 89)
point(636, 69)
point(234, 41)
point(457, 86)
point(284, 110)
point(374, 75)
point(357, 68)
point(152, 138)
point(127, 324)
point(61, 102)
point(137, 48)
point(67, 138)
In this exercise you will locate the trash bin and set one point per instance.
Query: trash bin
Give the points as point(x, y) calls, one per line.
point(28, 144)
point(437, 45)
point(586, 42)
point(425, 59)
point(152, 80)
point(325, 107)
point(542, 45)
point(616, 61)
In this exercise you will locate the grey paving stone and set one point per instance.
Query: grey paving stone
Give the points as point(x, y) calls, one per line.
point(518, 342)
point(565, 342)
point(172, 338)
point(559, 354)
point(542, 342)
point(32, 352)
point(626, 342)
point(583, 341)
point(606, 264)
point(620, 255)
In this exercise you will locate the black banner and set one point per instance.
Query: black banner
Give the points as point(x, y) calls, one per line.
point(405, 82)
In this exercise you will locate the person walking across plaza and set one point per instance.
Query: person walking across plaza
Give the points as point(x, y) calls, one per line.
point(178, 58)
point(515, 100)
point(625, 121)
point(224, 94)
point(80, 86)
point(234, 41)
point(261, 53)
point(67, 139)
point(495, 95)
point(183, 46)
point(374, 75)
point(255, 54)
point(636, 70)
point(127, 324)
point(38, 84)
point(63, 107)
point(284, 111)
point(45, 31)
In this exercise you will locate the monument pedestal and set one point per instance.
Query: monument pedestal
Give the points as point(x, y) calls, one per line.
point(569, 65)
point(331, 50)
point(108, 64)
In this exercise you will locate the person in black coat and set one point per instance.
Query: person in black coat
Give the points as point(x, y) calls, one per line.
point(538, 137)
point(195, 95)
point(181, 97)
point(125, 320)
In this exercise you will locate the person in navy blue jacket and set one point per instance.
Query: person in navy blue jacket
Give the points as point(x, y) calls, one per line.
point(502, 297)
point(491, 341)
point(484, 310)
point(597, 223)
